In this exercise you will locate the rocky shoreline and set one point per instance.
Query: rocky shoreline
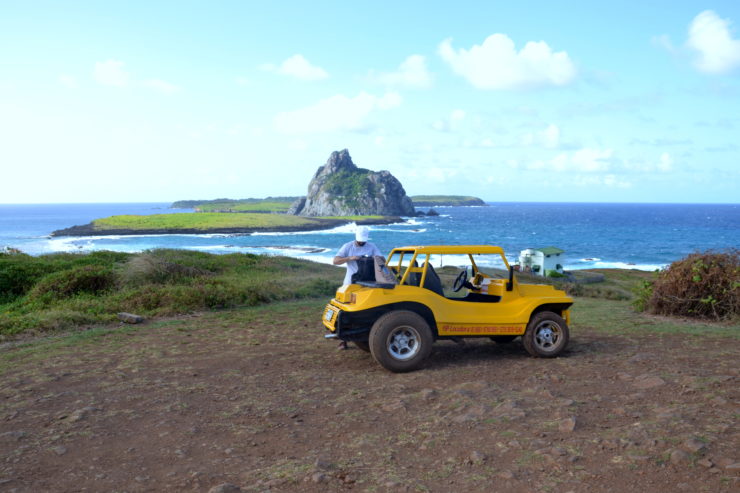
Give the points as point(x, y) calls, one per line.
point(321, 224)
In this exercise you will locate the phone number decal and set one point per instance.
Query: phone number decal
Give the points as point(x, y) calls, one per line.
point(482, 329)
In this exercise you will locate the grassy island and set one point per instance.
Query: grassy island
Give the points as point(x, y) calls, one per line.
point(445, 200)
point(204, 221)
point(269, 204)
point(213, 222)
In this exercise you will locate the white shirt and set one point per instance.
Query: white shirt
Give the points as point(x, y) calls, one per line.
point(351, 249)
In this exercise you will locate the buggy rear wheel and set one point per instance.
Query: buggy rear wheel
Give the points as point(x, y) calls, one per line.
point(546, 335)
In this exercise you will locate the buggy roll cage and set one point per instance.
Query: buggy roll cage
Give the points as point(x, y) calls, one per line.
point(425, 252)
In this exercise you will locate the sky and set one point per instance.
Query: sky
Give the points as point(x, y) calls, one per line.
point(574, 101)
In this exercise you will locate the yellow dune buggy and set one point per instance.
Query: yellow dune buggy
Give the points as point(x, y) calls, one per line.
point(397, 322)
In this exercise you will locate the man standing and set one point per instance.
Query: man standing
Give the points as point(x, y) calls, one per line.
point(353, 250)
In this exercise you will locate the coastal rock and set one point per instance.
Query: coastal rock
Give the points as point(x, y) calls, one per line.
point(130, 318)
point(340, 188)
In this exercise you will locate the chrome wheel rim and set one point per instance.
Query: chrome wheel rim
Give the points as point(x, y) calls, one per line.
point(547, 335)
point(403, 343)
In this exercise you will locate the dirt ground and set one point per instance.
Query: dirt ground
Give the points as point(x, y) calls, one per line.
point(256, 398)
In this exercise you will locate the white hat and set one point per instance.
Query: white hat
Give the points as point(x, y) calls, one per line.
point(362, 233)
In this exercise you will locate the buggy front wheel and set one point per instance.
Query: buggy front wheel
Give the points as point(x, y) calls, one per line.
point(400, 341)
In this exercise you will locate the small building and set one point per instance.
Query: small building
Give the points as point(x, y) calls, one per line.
point(541, 261)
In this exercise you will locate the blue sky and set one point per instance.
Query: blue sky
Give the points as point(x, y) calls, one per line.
point(539, 101)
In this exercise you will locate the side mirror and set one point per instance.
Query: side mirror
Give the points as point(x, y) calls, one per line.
point(510, 283)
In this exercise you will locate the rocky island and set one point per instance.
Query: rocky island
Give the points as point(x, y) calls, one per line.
point(340, 188)
point(339, 193)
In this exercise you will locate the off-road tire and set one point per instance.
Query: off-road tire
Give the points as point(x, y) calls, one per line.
point(546, 336)
point(503, 339)
point(364, 345)
point(400, 341)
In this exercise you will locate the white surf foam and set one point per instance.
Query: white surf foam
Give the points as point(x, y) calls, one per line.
point(345, 228)
point(614, 265)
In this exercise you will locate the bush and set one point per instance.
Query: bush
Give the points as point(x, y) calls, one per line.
point(154, 267)
point(702, 285)
point(19, 272)
point(87, 279)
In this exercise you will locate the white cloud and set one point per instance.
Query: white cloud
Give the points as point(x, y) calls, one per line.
point(586, 160)
point(666, 162)
point(497, 65)
point(161, 86)
point(336, 113)
point(551, 136)
point(664, 41)
point(297, 66)
point(412, 73)
point(548, 138)
point(111, 73)
point(450, 123)
point(715, 49)
point(611, 181)
point(68, 81)
point(441, 174)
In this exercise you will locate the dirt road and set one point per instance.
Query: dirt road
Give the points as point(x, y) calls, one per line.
point(256, 398)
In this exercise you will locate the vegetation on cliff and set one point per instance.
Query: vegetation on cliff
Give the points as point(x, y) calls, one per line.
point(349, 185)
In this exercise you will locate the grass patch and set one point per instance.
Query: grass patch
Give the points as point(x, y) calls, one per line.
point(204, 221)
point(618, 317)
point(63, 291)
point(238, 206)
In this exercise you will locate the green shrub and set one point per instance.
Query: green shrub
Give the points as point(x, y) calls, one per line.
point(316, 288)
point(702, 285)
point(91, 279)
point(595, 291)
point(643, 292)
point(61, 291)
point(155, 267)
point(19, 272)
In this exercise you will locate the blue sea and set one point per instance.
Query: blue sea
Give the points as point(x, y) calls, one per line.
point(636, 236)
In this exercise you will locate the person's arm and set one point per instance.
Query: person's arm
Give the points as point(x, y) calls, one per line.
point(343, 260)
point(341, 257)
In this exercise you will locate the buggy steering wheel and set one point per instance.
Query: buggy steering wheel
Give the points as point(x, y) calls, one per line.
point(461, 280)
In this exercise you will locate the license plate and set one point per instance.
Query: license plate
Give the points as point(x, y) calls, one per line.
point(329, 314)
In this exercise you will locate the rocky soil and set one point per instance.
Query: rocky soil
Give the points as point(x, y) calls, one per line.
point(257, 400)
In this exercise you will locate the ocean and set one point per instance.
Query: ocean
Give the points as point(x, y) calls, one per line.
point(632, 236)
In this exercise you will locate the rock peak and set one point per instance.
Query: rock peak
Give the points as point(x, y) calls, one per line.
point(338, 161)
